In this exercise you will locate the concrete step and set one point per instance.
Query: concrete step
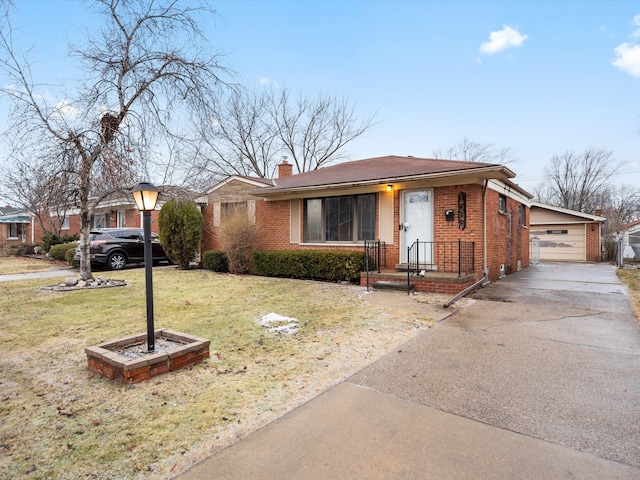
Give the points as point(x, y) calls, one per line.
point(388, 285)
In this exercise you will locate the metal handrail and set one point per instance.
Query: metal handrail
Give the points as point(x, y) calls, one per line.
point(375, 250)
point(454, 257)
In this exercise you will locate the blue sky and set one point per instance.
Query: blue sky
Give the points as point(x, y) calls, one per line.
point(538, 77)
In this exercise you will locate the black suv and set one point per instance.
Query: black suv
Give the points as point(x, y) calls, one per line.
point(116, 247)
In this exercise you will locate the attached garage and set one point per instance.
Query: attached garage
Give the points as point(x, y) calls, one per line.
point(564, 235)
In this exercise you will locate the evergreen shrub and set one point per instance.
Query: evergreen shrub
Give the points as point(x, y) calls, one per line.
point(59, 251)
point(50, 238)
point(215, 260)
point(328, 265)
point(180, 223)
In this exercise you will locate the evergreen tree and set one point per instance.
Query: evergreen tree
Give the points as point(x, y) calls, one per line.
point(180, 230)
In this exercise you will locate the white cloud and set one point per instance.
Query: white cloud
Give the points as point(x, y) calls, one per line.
point(628, 54)
point(627, 59)
point(636, 22)
point(65, 112)
point(501, 40)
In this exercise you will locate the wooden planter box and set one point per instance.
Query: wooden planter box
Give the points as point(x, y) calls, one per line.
point(105, 360)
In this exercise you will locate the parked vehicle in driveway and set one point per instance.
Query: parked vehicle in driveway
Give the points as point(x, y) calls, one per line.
point(117, 247)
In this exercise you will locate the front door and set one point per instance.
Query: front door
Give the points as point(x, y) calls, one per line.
point(417, 222)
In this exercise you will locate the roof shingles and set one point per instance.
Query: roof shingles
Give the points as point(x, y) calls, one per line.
point(376, 169)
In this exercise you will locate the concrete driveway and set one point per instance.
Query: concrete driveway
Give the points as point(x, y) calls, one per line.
point(538, 379)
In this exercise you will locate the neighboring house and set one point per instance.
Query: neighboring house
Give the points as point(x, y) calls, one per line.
point(565, 235)
point(118, 210)
point(630, 235)
point(441, 204)
point(15, 226)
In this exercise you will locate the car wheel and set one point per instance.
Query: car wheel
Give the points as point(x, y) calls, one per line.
point(117, 261)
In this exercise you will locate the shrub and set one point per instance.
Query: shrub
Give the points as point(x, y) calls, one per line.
point(20, 249)
point(238, 235)
point(68, 256)
point(333, 265)
point(59, 251)
point(215, 260)
point(50, 238)
point(180, 223)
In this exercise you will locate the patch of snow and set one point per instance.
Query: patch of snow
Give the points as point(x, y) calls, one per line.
point(288, 325)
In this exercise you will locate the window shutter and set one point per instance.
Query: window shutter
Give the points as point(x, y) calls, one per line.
point(251, 211)
point(216, 214)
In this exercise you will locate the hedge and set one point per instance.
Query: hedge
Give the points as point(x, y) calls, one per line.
point(329, 265)
point(59, 251)
point(215, 260)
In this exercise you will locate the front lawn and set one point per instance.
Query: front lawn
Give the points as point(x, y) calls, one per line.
point(9, 265)
point(59, 420)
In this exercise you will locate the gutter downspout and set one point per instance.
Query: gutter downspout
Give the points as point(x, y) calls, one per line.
point(485, 274)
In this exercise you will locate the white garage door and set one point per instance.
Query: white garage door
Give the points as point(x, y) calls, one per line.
point(565, 242)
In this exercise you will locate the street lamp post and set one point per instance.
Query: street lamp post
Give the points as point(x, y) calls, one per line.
point(146, 197)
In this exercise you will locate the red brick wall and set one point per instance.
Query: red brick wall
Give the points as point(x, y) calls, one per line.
point(593, 247)
point(446, 198)
point(507, 240)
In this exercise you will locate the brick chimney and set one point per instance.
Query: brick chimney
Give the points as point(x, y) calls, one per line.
point(598, 212)
point(285, 169)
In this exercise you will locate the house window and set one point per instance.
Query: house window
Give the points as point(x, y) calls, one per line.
point(14, 230)
point(100, 221)
point(64, 225)
point(340, 219)
point(502, 203)
point(521, 216)
point(223, 210)
point(121, 219)
point(232, 208)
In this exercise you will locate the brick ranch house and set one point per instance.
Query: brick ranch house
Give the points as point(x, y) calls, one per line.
point(453, 221)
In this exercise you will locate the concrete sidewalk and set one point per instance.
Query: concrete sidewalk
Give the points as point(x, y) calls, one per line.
point(536, 380)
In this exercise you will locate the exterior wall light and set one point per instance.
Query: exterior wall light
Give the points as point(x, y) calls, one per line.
point(389, 188)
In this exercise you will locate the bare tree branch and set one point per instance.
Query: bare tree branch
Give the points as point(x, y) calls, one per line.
point(149, 60)
point(578, 182)
point(469, 151)
point(254, 130)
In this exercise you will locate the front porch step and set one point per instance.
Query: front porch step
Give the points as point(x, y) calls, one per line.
point(427, 267)
point(388, 285)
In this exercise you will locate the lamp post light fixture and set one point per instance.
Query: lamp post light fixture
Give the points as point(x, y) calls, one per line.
point(146, 197)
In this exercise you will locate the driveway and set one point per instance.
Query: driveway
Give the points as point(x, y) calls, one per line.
point(538, 379)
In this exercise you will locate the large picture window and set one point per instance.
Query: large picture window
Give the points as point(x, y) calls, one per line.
point(340, 219)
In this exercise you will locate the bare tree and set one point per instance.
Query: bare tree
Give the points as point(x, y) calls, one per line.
point(253, 130)
point(148, 59)
point(314, 131)
point(470, 151)
point(31, 188)
point(577, 181)
point(620, 205)
point(240, 139)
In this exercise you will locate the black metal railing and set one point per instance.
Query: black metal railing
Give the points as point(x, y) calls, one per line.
point(451, 257)
point(375, 256)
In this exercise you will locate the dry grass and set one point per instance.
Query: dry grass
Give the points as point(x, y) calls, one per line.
point(9, 265)
point(631, 278)
point(61, 421)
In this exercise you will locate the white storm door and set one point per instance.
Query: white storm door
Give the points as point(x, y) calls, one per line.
point(417, 222)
